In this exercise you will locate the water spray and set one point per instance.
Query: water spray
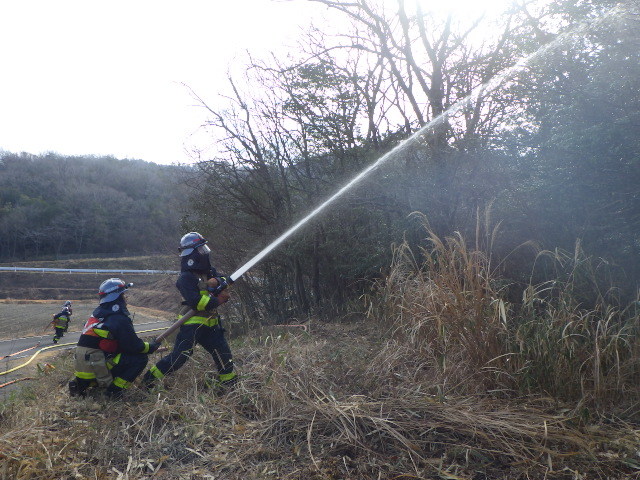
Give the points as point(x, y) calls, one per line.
point(491, 85)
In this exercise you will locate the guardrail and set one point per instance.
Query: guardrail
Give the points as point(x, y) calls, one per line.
point(86, 270)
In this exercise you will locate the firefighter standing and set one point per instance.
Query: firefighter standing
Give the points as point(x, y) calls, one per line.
point(196, 281)
point(61, 321)
point(109, 352)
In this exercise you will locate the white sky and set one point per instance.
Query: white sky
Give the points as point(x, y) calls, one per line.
point(82, 77)
point(86, 77)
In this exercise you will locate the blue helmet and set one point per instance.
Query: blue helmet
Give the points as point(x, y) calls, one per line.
point(190, 242)
point(111, 289)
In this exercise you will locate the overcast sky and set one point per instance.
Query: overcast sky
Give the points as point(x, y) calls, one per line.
point(82, 77)
point(105, 78)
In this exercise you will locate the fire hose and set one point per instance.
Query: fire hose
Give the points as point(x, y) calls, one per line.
point(38, 352)
point(21, 351)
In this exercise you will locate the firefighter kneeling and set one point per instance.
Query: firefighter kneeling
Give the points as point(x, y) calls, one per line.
point(109, 353)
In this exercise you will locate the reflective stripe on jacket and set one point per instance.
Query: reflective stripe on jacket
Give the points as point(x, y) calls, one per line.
point(94, 336)
point(210, 320)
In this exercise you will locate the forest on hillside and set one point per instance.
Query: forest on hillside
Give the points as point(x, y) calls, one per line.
point(53, 206)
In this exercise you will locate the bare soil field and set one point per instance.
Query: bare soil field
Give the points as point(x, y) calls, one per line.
point(28, 300)
point(65, 286)
point(22, 318)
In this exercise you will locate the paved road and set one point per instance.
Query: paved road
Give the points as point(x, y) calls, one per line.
point(19, 351)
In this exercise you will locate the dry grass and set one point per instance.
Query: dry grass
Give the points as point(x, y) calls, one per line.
point(448, 309)
point(445, 385)
point(341, 403)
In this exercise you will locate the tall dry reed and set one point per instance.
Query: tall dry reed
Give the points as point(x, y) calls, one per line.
point(448, 303)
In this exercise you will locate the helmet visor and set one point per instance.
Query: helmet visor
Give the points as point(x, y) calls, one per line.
point(111, 289)
point(204, 249)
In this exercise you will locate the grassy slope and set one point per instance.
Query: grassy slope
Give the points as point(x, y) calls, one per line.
point(342, 402)
point(345, 402)
point(154, 291)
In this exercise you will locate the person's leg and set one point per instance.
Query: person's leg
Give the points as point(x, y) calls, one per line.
point(125, 369)
point(182, 350)
point(58, 335)
point(90, 370)
point(214, 341)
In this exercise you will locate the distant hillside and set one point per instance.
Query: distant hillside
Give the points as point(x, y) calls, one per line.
point(53, 206)
point(138, 262)
point(154, 291)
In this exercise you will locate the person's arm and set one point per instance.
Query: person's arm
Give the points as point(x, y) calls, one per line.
point(121, 327)
point(212, 273)
point(188, 287)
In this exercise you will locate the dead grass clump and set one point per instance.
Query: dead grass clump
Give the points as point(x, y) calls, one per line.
point(336, 404)
point(446, 306)
point(447, 309)
point(574, 340)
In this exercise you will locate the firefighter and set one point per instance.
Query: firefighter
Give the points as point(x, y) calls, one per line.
point(196, 282)
point(61, 321)
point(109, 353)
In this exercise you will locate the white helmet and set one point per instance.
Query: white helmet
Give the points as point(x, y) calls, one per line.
point(111, 289)
point(190, 242)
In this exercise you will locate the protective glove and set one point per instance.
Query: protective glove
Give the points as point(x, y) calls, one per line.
point(223, 282)
point(223, 297)
point(153, 346)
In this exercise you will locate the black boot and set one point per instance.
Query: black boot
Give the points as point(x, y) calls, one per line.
point(77, 390)
point(148, 381)
point(114, 393)
point(221, 387)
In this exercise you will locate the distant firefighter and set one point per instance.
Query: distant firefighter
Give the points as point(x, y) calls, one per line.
point(109, 353)
point(61, 321)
